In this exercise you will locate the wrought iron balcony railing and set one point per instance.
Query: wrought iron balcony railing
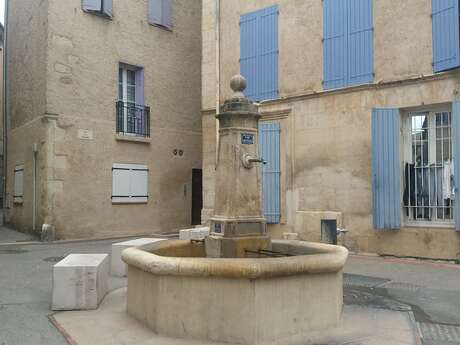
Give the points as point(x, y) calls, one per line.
point(133, 119)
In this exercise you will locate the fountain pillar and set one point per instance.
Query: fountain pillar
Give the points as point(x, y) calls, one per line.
point(238, 227)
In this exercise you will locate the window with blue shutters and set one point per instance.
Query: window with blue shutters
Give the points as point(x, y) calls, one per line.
point(386, 169)
point(269, 145)
point(99, 7)
point(160, 13)
point(259, 53)
point(348, 43)
point(446, 32)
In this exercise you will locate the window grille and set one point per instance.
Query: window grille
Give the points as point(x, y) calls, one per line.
point(429, 194)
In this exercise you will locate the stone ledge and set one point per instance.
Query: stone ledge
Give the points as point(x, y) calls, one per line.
point(133, 139)
point(149, 258)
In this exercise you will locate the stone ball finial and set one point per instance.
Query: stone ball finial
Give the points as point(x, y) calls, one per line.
point(238, 85)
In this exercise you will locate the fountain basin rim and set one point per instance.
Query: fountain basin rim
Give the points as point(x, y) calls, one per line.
point(327, 259)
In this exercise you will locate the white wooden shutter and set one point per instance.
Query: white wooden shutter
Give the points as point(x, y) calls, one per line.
point(18, 184)
point(129, 183)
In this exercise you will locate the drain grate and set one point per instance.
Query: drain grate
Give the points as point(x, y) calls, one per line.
point(364, 281)
point(438, 332)
point(54, 258)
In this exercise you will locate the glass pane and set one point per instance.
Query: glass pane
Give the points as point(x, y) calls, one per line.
point(120, 84)
point(131, 94)
point(120, 92)
point(131, 78)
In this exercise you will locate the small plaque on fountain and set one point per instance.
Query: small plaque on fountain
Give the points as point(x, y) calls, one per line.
point(247, 139)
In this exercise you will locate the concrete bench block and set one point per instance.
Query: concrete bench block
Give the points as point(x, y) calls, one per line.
point(80, 281)
point(118, 267)
point(195, 234)
point(199, 233)
point(290, 236)
point(185, 234)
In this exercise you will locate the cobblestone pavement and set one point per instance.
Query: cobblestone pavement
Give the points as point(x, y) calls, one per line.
point(428, 290)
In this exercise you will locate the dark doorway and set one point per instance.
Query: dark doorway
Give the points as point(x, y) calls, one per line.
point(197, 195)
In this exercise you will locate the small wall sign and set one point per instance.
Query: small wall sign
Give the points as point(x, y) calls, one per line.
point(217, 228)
point(247, 139)
point(85, 134)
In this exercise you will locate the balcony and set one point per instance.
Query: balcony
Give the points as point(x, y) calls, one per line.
point(133, 119)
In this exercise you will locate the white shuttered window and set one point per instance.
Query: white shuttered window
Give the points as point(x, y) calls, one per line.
point(129, 183)
point(18, 184)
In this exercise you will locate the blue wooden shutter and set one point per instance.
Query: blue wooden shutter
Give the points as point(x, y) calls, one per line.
point(334, 44)
point(269, 144)
point(155, 12)
point(107, 9)
point(456, 154)
point(386, 169)
point(446, 43)
point(360, 42)
point(167, 13)
point(267, 71)
point(259, 53)
point(248, 53)
point(91, 5)
point(160, 12)
point(140, 86)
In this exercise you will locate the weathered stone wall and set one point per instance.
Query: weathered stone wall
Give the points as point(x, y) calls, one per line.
point(326, 136)
point(82, 59)
point(26, 86)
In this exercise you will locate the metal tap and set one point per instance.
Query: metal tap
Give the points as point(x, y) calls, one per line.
point(248, 160)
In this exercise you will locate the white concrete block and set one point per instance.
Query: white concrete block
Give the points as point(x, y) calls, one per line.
point(205, 231)
point(290, 236)
point(118, 267)
point(195, 234)
point(80, 281)
point(185, 234)
point(199, 233)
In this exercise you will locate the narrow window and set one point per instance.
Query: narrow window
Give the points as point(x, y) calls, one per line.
point(18, 197)
point(129, 183)
point(429, 192)
point(133, 117)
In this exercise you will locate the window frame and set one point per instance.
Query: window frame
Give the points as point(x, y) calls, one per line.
point(406, 151)
point(138, 93)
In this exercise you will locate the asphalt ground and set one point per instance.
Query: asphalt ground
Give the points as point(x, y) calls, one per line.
point(430, 291)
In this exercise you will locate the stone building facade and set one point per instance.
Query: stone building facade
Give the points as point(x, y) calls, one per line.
point(363, 96)
point(103, 111)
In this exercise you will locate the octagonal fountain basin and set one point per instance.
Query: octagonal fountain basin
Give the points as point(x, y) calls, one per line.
point(176, 291)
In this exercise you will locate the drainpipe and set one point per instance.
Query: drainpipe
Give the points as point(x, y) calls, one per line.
point(34, 191)
point(5, 106)
point(217, 33)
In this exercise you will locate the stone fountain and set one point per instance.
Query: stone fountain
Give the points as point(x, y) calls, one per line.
point(237, 286)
